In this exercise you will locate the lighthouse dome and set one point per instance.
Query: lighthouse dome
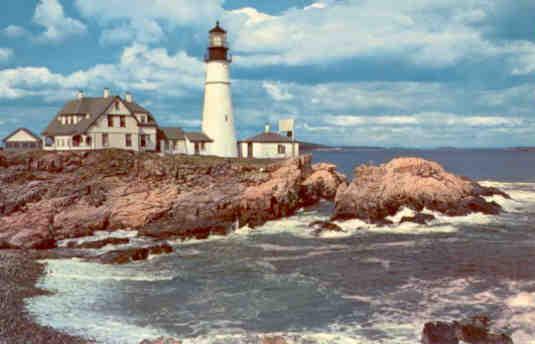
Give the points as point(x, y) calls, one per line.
point(217, 29)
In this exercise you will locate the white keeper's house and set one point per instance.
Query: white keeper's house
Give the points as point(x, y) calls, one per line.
point(87, 123)
point(112, 121)
point(271, 145)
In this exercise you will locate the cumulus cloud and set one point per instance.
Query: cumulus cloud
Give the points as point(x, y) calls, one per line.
point(395, 113)
point(429, 34)
point(139, 69)
point(5, 54)
point(143, 31)
point(146, 21)
point(50, 15)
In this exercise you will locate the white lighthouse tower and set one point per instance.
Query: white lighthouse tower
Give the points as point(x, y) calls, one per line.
point(217, 116)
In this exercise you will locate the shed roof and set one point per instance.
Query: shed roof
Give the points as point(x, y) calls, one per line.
point(173, 133)
point(198, 137)
point(269, 137)
point(28, 131)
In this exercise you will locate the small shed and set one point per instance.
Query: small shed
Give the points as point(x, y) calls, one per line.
point(197, 143)
point(172, 140)
point(269, 145)
point(21, 139)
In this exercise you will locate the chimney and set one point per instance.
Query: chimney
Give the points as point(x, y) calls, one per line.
point(267, 129)
point(128, 97)
point(80, 94)
point(106, 92)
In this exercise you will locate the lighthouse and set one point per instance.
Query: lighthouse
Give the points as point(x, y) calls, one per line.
point(217, 116)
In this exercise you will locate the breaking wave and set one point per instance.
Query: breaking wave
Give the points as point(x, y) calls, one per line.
point(368, 284)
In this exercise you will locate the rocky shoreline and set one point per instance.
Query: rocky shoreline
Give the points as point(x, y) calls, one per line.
point(19, 273)
point(49, 197)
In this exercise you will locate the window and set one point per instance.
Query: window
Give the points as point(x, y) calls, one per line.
point(128, 140)
point(143, 142)
point(88, 141)
point(76, 140)
point(105, 140)
point(142, 119)
point(281, 149)
point(202, 145)
point(110, 121)
point(117, 105)
point(123, 121)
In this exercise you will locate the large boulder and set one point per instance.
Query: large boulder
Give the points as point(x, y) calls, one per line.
point(380, 191)
point(322, 183)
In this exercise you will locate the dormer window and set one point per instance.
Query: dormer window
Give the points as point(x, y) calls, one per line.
point(117, 105)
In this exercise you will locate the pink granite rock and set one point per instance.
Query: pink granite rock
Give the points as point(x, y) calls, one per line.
point(380, 191)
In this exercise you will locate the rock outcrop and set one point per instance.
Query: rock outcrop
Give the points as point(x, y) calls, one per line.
point(380, 191)
point(418, 218)
point(50, 196)
point(133, 254)
point(322, 183)
point(98, 243)
point(324, 226)
point(472, 331)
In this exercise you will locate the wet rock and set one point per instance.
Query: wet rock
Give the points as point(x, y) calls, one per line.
point(324, 226)
point(381, 191)
point(382, 222)
point(133, 254)
point(161, 340)
point(98, 243)
point(439, 333)
point(475, 330)
point(418, 218)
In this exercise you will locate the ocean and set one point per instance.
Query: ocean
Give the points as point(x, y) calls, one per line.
point(367, 285)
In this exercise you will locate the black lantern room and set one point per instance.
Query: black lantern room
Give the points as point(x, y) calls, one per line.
point(217, 47)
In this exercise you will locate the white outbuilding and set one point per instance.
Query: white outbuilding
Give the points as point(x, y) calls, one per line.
point(269, 145)
point(21, 139)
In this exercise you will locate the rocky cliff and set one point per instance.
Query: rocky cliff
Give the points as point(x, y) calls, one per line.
point(46, 197)
point(380, 191)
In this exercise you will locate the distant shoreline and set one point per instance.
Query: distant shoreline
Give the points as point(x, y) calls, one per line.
point(313, 147)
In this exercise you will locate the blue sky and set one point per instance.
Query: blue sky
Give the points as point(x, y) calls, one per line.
point(421, 73)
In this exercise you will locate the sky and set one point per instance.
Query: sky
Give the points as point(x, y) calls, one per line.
point(420, 73)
